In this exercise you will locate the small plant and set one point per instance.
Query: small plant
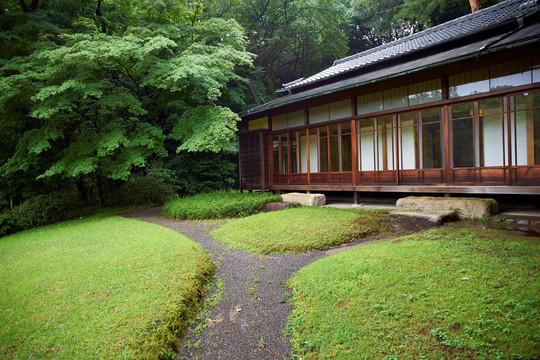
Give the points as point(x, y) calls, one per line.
point(262, 343)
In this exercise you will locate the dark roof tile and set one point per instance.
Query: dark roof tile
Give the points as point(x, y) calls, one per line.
point(440, 34)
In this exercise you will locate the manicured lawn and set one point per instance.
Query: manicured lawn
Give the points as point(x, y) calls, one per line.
point(439, 294)
point(300, 229)
point(218, 205)
point(110, 288)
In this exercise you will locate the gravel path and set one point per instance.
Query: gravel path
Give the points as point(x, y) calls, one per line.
point(249, 319)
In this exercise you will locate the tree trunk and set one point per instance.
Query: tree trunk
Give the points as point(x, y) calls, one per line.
point(87, 193)
point(254, 94)
point(34, 5)
point(100, 189)
point(271, 85)
point(101, 18)
point(23, 6)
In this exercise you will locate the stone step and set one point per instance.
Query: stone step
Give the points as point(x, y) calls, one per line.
point(434, 217)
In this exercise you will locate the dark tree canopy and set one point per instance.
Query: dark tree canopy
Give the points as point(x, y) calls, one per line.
point(96, 91)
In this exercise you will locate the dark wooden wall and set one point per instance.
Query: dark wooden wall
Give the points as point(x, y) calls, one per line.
point(253, 160)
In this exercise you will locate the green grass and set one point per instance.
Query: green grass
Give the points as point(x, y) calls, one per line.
point(218, 205)
point(439, 294)
point(109, 288)
point(300, 229)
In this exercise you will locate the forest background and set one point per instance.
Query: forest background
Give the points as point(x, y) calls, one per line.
point(125, 102)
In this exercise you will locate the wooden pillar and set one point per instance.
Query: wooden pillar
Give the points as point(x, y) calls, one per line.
point(241, 185)
point(261, 157)
point(356, 197)
point(354, 153)
point(509, 114)
point(447, 144)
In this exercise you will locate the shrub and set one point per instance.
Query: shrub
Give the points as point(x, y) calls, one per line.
point(7, 225)
point(44, 209)
point(195, 173)
point(144, 190)
point(218, 205)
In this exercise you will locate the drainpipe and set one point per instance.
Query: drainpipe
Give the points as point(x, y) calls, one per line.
point(475, 5)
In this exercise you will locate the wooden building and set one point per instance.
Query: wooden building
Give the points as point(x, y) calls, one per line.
point(454, 109)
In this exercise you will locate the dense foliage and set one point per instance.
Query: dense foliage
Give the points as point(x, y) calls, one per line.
point(218, 205)
point(88, 102)
point(96, 93)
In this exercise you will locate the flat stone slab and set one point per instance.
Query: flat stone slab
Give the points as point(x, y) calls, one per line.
point(465, 208)
point(275, 206)
point(435, 217)
point(304, 199)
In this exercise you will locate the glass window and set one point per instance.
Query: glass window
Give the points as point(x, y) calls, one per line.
point(334, 153)
point(313, 151)
point(284, 168)
point(303, 151)
point(526, 129)
point(318, 114)
point(346, 128)
point(275, 153)
point(346, 148)
point(425, 92)
point(323, 149)
point(366, 145)
point(491, 132)
point(279, 122)
point(513, 73)
point(468, 83)
point(431, 139)
point(294, 153)
point(463, 135)
point(409, 140)
point(369, 103)
point(295, 119)
point(340, 109)
point(395, 98)
point(385, 142)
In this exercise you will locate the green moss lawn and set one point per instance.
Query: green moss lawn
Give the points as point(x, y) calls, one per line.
point(439, 294)
point(300, 229)
point(111, 288)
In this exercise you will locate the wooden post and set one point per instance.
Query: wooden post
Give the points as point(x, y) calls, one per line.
point(240, 164)
point(261, 157)
point(356, 197)
point(447, 145)
point(354, 153)
point(509, 113)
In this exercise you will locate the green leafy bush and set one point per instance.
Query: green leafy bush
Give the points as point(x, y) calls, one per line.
point(202, 172)
point(218, 205)
point(144, 190)
point(44, 209)
point(7, 225)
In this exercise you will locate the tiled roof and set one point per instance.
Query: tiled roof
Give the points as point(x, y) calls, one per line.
point(452, 30)
point(494, 43)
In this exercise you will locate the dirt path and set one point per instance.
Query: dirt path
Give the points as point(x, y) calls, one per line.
point(249, 319)
point(250, 315)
